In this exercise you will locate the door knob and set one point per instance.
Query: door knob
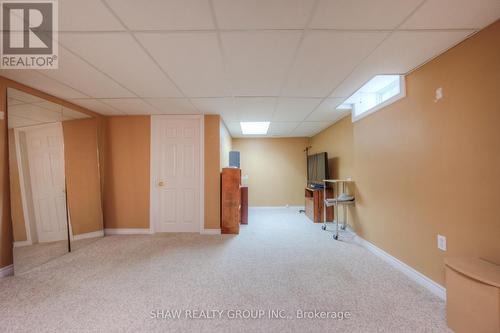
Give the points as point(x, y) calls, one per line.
point(161, 183)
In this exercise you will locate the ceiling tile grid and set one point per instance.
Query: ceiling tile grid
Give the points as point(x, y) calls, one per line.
point(192, 59)
point(125, 62)
point(97, 106)
point(262, 14)
point(258, 60)
point(326, 58)
point(362, 14)
point(290, 62)
point(163, 14)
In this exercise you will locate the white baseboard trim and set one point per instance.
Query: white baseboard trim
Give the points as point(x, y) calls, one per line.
point(210, 232)
point(131, 231)
point(22, 243)
point(6, 271)
point(413, 274)
point(93, 234)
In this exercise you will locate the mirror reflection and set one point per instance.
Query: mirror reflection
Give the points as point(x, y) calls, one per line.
point(54, 179)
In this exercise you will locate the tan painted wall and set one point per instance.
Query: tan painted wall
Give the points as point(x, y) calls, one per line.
point(16, 205)
point(5, 225)
point(126, 195)
point(276, 170)
point(423, 168)
point(212, 159)
point(226, 143)
point(340, 156)
point(82, 175)
point(126, 190)
point(337, 140)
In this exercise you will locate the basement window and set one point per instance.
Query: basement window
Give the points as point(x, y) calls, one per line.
point(375, 94)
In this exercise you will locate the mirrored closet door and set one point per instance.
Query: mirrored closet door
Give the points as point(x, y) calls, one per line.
point(54, 179)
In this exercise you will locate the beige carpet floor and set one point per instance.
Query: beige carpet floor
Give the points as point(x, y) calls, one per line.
point(280, 262)
point(33, 256)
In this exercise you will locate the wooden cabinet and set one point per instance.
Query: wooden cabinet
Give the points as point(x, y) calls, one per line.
point(230, 201)
point(315, 205)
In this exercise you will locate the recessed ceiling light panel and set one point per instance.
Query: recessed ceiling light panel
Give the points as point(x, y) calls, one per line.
point(254, 127)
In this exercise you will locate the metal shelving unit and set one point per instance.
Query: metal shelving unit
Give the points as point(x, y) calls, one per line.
point(336, 202)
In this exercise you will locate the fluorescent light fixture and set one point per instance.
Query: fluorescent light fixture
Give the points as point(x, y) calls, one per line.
point(380, 91)
point(254, 127)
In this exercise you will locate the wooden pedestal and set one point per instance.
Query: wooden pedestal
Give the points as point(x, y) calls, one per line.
point(230, 201)
point(315, 205)
point(472, 295)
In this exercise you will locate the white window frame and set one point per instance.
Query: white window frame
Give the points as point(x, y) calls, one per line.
point(402, 94)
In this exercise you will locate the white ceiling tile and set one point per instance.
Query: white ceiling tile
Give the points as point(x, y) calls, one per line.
point(124, 60)
point(50, 106)
point(281, 128)
point(15, 122)
point(454, 14)
point(356, 80)
point(294, 109)
point(255, 108)
point(193, 60)
point(327, 111)
point(131, 106)
point(70, 114)
point(362, 14)
point(224, 106)
point(97, 106)
point(83, 77)
point(262, 14)
point(399, 54)
point(325, 58)
point(22, 97)
point(38, 81)
point(238, 108)
point(258, 61)
point(13, 101)
point(35, 112)
point(309, 128)
point(173, 105)
point(164, 14)
point(234, 128)
point(87, 15)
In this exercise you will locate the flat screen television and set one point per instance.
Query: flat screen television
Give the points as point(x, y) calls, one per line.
point(317, 168)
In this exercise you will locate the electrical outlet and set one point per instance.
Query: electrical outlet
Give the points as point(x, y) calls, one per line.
point(441, 243)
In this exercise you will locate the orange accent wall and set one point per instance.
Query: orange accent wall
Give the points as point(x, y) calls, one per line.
point(212, 151)
point(82, 175)
point(5, 225)
point(127, 173)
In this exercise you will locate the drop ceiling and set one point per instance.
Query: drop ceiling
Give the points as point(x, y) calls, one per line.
point(290, 62)
point(28, 110)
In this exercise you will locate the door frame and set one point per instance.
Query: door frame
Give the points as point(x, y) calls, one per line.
point(154, 160)
point(22, 190)
point(22, 182)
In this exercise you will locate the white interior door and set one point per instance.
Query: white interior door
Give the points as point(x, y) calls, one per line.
point(176, 173)
point(45, 148)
